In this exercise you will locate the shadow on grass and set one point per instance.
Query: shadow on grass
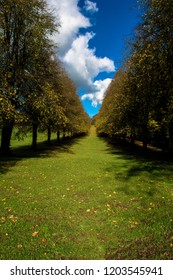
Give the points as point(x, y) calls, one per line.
point(133, 161)
point(43, 150)
point(141, 249)
point(145, 177)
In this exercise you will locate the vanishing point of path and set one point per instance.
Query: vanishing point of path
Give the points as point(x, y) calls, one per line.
point(86, 200)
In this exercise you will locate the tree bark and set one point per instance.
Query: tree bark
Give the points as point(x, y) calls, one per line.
point(49, 135)
point(171, 136)
point(6, 138)
point(132, 140)
point(58, 136)
point(34, 136)
point(145, 143)
point(145, 136)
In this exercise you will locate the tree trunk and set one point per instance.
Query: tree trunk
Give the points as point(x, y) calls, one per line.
point(145, 136)
point(6, 138)
point(58, 136)
point(132, 140)
point(171, 136)
point(49, 135)
point(145, 143)
point(34, 136)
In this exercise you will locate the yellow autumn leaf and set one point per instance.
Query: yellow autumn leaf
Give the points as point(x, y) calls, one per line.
point(34, 234)
point(44, 240)
point(3, 219)
point(13, 219)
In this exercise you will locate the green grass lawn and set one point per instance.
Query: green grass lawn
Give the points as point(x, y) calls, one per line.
point(85, 199)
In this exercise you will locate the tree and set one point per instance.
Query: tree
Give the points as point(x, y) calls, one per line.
point(77, 121)
point(25, 27)
point(111, 118)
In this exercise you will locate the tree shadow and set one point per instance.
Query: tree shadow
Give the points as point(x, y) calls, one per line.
point(133, 161)
point(43, 150)
point(146, 179)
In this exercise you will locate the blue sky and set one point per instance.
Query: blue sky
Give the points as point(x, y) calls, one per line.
point(92, 42)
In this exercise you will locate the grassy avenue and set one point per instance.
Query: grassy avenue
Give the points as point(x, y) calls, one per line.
point(85, 199)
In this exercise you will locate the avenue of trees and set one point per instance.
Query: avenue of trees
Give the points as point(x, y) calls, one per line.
point(35, 90)
point(139, 101)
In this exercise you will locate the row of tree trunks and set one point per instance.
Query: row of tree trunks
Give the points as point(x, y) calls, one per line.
point(170, 133)
point(8, 128)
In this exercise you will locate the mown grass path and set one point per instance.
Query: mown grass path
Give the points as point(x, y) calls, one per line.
point(86, 200)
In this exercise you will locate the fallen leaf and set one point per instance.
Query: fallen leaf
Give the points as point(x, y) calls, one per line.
point(3, 220)
point(35, 234)
point(44, 240)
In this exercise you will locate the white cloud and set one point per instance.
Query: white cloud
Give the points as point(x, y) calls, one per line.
point(68, 14)
point(79, 59)
point(100, 88)
point(82, 63)
point(91, 6)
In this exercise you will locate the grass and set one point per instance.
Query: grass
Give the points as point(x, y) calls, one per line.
point(85, 199)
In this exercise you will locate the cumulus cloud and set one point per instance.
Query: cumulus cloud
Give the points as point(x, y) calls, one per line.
point(91, 6)
point(71, 20)
point(97, 97)
point(80, 61)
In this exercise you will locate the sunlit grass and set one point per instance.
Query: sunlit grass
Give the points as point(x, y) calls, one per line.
point(85, 200)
